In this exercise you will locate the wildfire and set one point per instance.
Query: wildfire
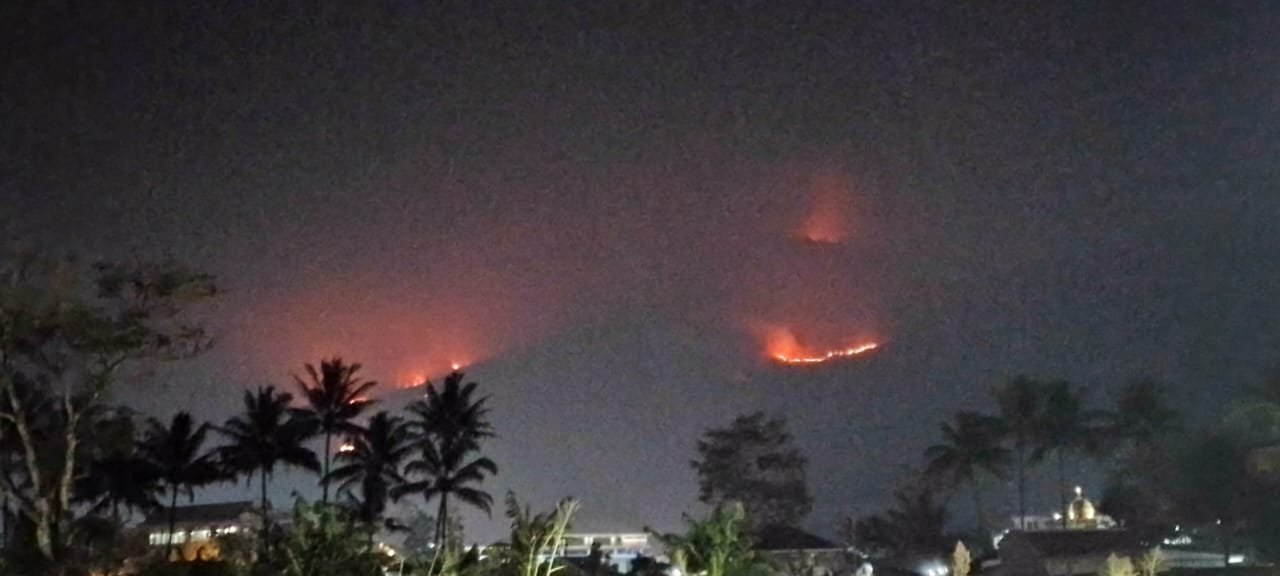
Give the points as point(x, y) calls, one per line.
point(784, 347)
point(419, 377)
point(828, 355)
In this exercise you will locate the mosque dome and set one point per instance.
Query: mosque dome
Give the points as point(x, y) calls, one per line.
point(1081, 510)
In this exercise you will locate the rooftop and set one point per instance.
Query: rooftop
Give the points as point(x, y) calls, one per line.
point(223, 512)
point(780, 538)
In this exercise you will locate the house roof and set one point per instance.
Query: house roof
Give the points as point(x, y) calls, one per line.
point(779, 538)
point(1058, 543)
point(223, 512)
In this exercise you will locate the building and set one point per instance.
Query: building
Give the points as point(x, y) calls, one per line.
point(1081, 514)
point(1081, 542)
point(794, 552)
point(1063, 552)
point(618, 548)
point(196, 527)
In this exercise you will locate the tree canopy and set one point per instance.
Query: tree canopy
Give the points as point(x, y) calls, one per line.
point(753, 461)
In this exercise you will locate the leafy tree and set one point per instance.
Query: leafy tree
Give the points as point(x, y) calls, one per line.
point(1213, 488)
point(176, 455)
point(1142, 415)
point(534, 536)
point(67, 333)
point(115, 477)
point(447, 429)
point(1021, 402)
point(753, 462)
point(1256, 417)
point(373, 464)
point(915, 525)
point(420, 534)
point(716, 546)
point(263, 436)
point(1065, 427)
point(335, 396)
point(1140, 430)
point(971, 447)
point(323, 543)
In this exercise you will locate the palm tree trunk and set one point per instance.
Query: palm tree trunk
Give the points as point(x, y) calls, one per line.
point(442, 520)
point(266, 519)
point(1062, 485)
point(1022, 485)
point(173, 511)
point(977, 507)
point(324, 480)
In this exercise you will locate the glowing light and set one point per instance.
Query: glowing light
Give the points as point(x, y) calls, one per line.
point(456, 366)
point(828, 355)
point(346, 447)
point(783, 347)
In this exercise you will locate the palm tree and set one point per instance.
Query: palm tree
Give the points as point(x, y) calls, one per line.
point(970, 448)
point(915, 525)
point(1020, 401)
point(1065, 427)
point(335, 396)
point(373, 463)
point(175, 454)
point(448, 428)
point(117, 481)
point(263, 436)
point(115, 477)
point(1142, 414)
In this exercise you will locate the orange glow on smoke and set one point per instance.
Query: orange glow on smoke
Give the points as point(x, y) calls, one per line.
point(827, 220)
point(783, 347)
point(420, 377)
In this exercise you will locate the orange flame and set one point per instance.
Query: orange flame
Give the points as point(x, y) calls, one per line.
point(783, 347)
point(420, 377)
point(828, 355)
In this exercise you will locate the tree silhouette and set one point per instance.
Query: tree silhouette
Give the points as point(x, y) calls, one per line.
point(115, 478)
point(176, 456)
point(335, 396)
point(1020, 401)
point(753, 461)
point(448, 427)
point(1137, 433)
point(916, 524)
point(717, 546)
point(1065, 427)
point(373, 464)
point(1142, 414)
point(970, 448)
point(69, 333)
point(263, 436)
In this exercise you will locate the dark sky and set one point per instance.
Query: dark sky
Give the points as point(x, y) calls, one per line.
point(601, 210)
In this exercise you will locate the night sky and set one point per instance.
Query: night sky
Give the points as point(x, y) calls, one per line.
point(608, 212)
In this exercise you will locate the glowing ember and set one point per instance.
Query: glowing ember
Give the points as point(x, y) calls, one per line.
point(828, 355)
point(346, 447)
